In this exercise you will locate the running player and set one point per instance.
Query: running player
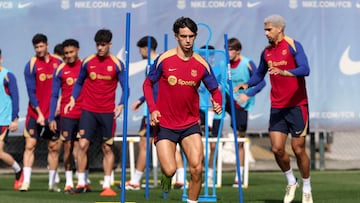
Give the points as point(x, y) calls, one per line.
point(179, 72)
point(285, 60)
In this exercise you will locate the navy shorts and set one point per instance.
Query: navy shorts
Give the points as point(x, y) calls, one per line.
point(69, 128)
point(176, 135)
point(4, 133)
point(294, 120)
point(241, 115)
point(94, 126)
point(34, 130)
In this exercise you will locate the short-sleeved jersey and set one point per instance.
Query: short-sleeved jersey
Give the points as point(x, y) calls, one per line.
point(286, 91)
point(99, 90)
point(65, 77)
point(178, 82)
point(38, 78)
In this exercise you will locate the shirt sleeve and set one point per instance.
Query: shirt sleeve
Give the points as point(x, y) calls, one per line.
point(257, 88)
point(121, 79)
point(260, 73)
point(302, 68)
point(80, 81)
point(55, 90)
point(30, 81)
point(149, 87)
point(14, 94)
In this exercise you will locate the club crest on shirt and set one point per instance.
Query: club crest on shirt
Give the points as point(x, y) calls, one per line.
point(109, 68)
point(172, 80)
point(284, 52)
point(69, 81)
point(92, 75)
point(194, 73)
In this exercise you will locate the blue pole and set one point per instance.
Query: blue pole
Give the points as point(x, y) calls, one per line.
point(165, 49)
point(126, 93)
point(148, 126)
point(233, 119)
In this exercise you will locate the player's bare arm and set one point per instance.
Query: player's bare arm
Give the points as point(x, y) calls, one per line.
point(41, 119)
point(241, 86)
point(135, 106)
point(14, 125)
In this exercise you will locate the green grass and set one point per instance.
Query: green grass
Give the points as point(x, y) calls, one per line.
point(264, 187)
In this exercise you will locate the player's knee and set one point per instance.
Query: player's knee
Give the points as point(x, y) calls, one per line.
point(278, 151)
point(169, 171)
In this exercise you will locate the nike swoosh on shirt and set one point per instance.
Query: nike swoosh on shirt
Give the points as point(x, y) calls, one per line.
point(253, 4)
point(347, 65)
point(24, 5)
point(137, 5)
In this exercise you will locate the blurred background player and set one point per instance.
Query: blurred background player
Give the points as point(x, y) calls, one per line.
point(241, 69)
point(134, 183)
point(9, 114)
point(38, 78)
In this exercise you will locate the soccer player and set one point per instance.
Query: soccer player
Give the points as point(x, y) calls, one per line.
point(101, 71)
point(9, 108)
point(179, 72)
point(38, 78)
point(241, 69)
point(134, 183)
point(285, 60)
point(64, 79)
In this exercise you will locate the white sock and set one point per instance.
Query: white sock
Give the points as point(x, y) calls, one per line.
point(52, 177)
point(81, 179)
point(210, 173)
point(191, 201)
point(27, 174)
point(180, 175)
point(241, 173)
point(107, 182)
point(306, 185)
point(290, 177)
point(16, 167)
point(137, 177)
point(69, 178)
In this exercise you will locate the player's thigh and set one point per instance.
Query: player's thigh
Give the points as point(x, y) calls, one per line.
point(193, 148)
point(166, 153)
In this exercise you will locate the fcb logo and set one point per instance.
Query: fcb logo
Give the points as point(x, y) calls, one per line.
point(69, 81)
point(92, 75)
point(172, 80)
point(284, 52)
point(109, 68)
point(194, 73)
point(42, 77)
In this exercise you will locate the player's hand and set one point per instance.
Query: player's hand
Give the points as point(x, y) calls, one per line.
point(69, 106)
point(275, 71)
point(154, 118)
point(243, 98)
point(241, 86)
point(41, 119)
point(53, 126)
point(135, 106)
point(217, 108)
point(13, 125)
point(118, 110)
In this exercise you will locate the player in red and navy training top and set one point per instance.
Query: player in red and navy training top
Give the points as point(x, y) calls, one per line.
point(9, 114)
point(38, 78)
point(287, 64)
point(97, 81)
point(64, 80)
point(179, 73)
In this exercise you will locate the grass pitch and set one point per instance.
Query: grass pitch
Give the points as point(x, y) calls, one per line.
point(264, 187)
